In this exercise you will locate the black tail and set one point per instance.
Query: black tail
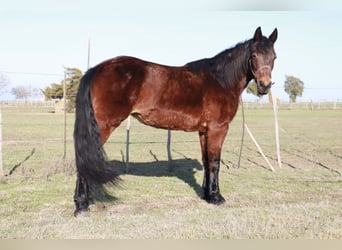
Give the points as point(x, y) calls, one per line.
point(91, 160)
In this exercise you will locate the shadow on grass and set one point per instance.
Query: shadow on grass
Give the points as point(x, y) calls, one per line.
point(21, 163)
point(184, 169)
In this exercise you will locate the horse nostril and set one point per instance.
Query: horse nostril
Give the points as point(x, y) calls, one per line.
point(262, 84)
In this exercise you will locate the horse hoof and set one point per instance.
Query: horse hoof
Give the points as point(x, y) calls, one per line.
point(216, 200)
point(219, 201)
point(81, 213)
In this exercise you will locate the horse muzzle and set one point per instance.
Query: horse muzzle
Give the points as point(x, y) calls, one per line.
point(263, 88)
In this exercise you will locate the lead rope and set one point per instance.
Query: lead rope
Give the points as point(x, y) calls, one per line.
point(243, 131)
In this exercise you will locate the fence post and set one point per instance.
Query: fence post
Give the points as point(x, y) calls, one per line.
point(127, 143)
point(276, 130)
point(259, 148)
point(2, 174)
point(64, 106)
point(168, 147)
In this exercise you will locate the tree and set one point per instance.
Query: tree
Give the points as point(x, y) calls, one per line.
point(3, 83)
point(253, 89)
point(55, 91)
point(74, 76)
point(293, 87)
point(21, 92)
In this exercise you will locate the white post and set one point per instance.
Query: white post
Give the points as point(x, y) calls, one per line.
point(243, 131)
point(168, 148)
point(1, 166)
point(88, 61)
point(127, 142)
point(274, 102)
point(64, 103)
point(259, 148)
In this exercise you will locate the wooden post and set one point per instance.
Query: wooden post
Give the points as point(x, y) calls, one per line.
point(64, 97)
point(2, 174)
point(168, 147)
point(127, 143)
point(88, 61)
point(270, 97)
point(276, 128)
point(243, 131)
point(259, 148)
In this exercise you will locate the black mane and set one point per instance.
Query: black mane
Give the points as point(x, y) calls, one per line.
point(227, 66)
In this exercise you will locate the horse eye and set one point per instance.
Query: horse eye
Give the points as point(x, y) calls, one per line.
point(254, 55)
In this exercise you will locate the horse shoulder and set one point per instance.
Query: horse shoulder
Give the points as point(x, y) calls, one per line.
point(219, 105)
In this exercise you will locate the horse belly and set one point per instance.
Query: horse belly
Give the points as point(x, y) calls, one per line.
point(169, 98)
point(168, 119)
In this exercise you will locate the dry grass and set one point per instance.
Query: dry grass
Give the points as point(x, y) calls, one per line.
point(301, 200)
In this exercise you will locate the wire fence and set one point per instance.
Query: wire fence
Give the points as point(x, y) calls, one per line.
point(305, 139)
point(296, 106)
point(55, 105)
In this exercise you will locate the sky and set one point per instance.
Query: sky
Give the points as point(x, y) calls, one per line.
point(41, 37)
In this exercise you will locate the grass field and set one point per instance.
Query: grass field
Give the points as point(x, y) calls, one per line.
point(303, 199)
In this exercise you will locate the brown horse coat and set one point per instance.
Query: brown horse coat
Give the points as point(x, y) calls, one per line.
point(200, 96)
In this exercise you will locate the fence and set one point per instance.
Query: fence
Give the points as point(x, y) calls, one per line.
point(50, 105)
point(296, 106)
point(31, 125)
point(32, 106)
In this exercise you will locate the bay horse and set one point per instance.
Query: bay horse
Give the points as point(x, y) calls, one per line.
point(200, 96)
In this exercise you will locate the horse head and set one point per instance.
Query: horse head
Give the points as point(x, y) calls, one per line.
point(261, 60)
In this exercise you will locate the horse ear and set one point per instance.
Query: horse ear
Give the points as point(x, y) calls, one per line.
point(273, 37)
point(257, 35)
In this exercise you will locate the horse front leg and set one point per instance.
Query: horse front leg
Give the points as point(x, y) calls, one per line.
point(211, 143)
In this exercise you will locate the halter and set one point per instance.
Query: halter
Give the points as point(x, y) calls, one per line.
point(259, 69)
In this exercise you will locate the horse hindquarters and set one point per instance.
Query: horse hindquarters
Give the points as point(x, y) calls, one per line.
point(92, 166)
point(211, 144)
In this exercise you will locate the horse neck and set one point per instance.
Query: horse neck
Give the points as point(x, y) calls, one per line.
point(231, 67)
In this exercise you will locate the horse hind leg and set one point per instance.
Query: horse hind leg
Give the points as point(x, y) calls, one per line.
point(108, 122)
point(84, 189)
point(82, 197)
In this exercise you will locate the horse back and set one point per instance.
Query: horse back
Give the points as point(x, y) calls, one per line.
point(158, 95)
